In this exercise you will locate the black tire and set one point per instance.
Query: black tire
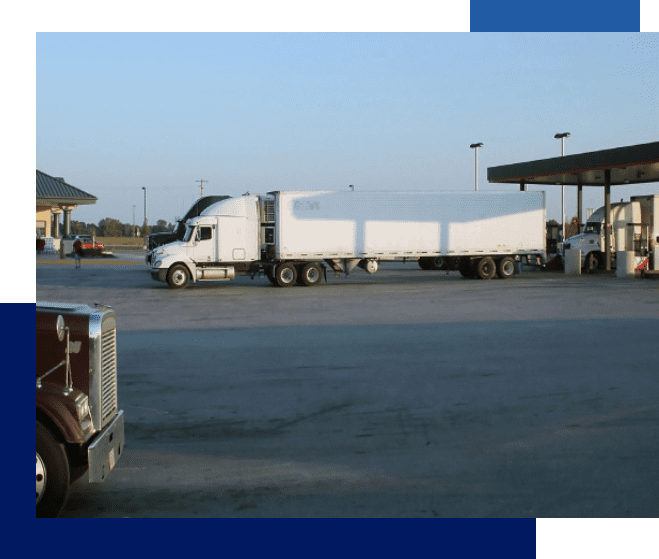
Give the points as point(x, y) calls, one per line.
point(486, 268)
point(310, 274)
point(453, 263)
point(439, 263)
point(466, 268)
point(178, 277)
point(433, 263)
point(506, 268)
point(424, 263)
point(52, 474)
point(285, 275)
point(592, 262)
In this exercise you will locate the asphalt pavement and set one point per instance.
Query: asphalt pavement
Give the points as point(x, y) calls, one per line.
point(404, 394)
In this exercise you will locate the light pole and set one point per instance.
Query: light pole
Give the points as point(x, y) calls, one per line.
point(144, 188)
point(475, 148)
point(562, 137)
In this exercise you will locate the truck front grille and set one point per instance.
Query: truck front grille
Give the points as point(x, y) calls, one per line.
point(108, 376)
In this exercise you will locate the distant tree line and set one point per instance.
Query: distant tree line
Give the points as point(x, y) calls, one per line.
point(110, 227)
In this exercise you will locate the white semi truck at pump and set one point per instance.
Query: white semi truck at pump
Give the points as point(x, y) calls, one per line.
point(290, 236)
point(634, 228)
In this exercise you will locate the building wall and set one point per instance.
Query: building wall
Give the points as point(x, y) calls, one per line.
point(44, 215)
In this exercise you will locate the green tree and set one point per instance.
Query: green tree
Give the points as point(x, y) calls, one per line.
point(109, 227)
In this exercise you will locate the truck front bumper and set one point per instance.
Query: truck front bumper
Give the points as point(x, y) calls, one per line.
point(105, 450)
point(159, 274)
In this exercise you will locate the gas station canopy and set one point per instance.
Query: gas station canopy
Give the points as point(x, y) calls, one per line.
point(627, 165)
point(605, 168)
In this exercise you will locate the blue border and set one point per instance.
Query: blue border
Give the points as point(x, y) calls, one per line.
point(557, 15)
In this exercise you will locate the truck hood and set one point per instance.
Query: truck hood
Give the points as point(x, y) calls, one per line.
point(579, 238)
point(177, 247)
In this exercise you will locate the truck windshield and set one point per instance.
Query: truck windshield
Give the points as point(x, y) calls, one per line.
point(593, 227)
point(189, 233)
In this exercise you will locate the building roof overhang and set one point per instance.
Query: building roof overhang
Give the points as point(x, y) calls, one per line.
point(627, 165)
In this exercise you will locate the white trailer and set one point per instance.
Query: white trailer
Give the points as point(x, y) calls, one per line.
point(290, 236)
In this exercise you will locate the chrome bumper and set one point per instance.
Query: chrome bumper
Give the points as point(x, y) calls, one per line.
point(105, 450)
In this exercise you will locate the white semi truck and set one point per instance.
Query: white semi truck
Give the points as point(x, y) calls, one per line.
point(290, 236)
point(634, 228)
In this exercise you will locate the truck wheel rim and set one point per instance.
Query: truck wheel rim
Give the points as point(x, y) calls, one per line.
point(41, 478)
point(312, 275)
point(286, 275)
point(508, 268)
point(178, 277)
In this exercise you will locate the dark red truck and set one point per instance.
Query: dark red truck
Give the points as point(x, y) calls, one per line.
point(80, 428)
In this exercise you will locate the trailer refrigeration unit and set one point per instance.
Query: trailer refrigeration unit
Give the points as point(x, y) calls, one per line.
point(290, 236)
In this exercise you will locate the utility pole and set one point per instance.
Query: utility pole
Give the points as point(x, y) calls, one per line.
point(133, 220)
point(201, 188)
point(144, 188)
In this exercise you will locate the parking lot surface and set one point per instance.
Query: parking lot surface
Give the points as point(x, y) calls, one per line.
point(406, 393)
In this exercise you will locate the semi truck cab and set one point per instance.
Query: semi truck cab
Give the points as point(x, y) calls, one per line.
point(624, 215)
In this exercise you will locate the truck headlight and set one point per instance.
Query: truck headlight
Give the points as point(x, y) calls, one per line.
point(156, 264)
point(84, 414)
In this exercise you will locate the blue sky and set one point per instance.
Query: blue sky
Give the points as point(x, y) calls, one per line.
point(259, 111)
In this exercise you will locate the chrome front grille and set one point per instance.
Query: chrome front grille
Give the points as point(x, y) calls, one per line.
point(108, 376)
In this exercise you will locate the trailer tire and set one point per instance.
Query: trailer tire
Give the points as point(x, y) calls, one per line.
point(178, 277)
point(433, 263)
point(285, 275)
point(310, 274)
point(423, 263)
point(466, 268)
point(506, 268)
point(438, 263)
point(486, 268)
point(52, 474)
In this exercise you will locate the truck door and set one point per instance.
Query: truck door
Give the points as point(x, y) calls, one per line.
point(233, 244)
point(204, 247)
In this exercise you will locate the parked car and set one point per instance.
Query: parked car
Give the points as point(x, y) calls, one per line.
point(90, 247)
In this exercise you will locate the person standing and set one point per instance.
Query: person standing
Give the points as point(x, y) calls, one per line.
point(77, 251)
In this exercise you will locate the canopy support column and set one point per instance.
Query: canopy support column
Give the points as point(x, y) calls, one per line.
point(579, 206)
point(607, 218)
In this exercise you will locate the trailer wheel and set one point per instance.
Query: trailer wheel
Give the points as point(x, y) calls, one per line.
point(506, 267)
point(52, 474)
point(285, 275)
point(433, 263)
point(486, 268)
point(310, 274)
point(178, 277)
point(466, 268)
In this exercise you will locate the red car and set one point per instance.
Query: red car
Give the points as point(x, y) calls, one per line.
point(89, 246)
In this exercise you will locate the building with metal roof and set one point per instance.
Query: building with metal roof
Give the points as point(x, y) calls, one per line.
point(55, 197)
